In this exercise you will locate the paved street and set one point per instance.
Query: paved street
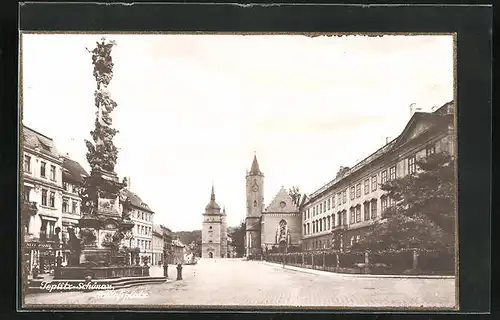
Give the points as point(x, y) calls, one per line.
point(233, 282)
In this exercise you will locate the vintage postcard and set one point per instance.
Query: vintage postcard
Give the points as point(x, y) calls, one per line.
point(281, 171)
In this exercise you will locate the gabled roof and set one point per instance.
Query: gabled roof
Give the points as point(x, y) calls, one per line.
point(135, 200)
point(419, 123)
point(447, 108)
point(157, 229)
point(33, 139)
point(73, 171)
point(282, 202)
point(165, 229)
point(304, 199)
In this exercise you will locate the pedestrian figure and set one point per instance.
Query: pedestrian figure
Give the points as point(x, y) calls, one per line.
point(179, 271)
point(59, 260)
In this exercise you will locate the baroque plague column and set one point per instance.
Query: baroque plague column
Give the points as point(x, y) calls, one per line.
point(102, 226)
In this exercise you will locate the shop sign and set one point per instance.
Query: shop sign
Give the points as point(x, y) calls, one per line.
point(42, 245)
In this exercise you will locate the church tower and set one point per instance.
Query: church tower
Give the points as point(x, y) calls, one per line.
point(255, 206)
point(211, 232)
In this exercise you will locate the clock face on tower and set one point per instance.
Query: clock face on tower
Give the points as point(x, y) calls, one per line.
point(255, 187)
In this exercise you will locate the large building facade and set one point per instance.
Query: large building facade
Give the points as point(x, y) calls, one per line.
point(277, 225)
point(214, 230)
point(354, 201)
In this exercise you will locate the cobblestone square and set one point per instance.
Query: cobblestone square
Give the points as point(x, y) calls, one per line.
point(234, 282)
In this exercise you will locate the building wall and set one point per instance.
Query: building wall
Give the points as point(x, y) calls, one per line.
point(252, 240)
point(207, 248)
point(71, 207)
point(270, 225)
point(143, 231)
point(34, 187)
point(254, 195)
point(41, 227)
point(157, 249)
point(211, 236)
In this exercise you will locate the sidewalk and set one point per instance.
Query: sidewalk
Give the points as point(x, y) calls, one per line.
point(351, 275)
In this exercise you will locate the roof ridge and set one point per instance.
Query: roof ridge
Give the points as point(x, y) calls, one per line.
point(26, 127)
point(380, 150)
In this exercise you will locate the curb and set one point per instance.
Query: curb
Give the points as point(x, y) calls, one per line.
point(350, 275)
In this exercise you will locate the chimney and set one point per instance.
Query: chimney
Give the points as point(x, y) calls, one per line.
point(412, 107)
point(434, 108)
point(387, 140)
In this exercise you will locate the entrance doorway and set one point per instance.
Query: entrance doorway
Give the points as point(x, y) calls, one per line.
point(282, 247)
point(210, 255)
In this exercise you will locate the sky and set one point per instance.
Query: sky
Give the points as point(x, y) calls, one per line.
point(194, 109)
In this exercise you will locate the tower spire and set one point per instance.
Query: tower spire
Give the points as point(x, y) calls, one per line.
point(255, 170)
point(212, 195)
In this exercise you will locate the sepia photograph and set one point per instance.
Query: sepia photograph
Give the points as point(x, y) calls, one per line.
point(225, 170)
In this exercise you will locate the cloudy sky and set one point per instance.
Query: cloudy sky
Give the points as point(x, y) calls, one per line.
point(193, 109)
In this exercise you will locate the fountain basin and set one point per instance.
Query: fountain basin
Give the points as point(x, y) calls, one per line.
point(100, 272)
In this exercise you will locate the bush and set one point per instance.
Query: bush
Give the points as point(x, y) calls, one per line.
point(439, 262)
point(396, 262)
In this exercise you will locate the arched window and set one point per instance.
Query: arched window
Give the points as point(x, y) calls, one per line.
point(255, 203)
point(210, 227)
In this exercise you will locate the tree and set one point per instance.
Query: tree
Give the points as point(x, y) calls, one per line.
point(295, 195)
point(237, 236)
point(423, 212)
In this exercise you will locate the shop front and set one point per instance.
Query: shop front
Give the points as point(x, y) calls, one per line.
point(41, 255)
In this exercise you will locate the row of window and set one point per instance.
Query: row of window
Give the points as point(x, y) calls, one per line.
point(68, 187)
point(143, 244)
point(43, 168)
point(66, 207)
point(144, 230)
point(146, 216)
point(355, 190)
point(340, 219)
point(51, 198)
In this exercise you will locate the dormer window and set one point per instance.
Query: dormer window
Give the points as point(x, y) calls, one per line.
point(44, 146)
